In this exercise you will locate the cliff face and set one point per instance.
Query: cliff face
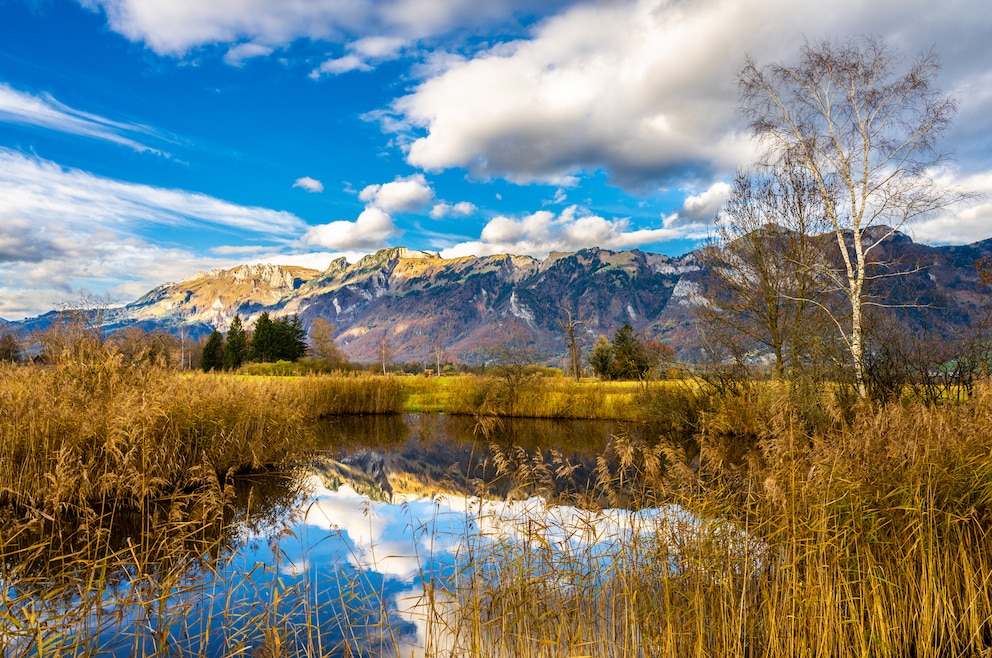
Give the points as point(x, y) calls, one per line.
point(213, 298)
point(416, 300)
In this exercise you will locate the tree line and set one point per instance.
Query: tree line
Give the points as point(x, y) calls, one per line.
point(272, 340)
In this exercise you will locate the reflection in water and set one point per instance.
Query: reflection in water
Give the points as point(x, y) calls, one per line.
point(428, 454)
point(372, 548)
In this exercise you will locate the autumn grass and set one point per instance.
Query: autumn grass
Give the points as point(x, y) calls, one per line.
point(531, 397)
point(813, 536)
point(789, 523)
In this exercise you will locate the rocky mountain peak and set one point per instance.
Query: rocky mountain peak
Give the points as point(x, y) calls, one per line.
point(273, 276)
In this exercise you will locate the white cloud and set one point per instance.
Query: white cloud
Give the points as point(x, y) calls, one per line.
point(178, 26)
point(401, 195)
point(309, 184)
point(370, 231)
point(966, 223)
point(701, 208)
point(341, 65)
point(238, 54)
point(460, 209)
point(646, 89)
point(542, 232)
point(49, 195)
point(62, 230)
point(46, 112)
point(363, 55)
point(379, 47)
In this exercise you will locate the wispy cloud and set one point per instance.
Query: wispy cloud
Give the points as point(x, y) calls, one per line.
point(62, 230)
point(45, 111)
point(50, 195)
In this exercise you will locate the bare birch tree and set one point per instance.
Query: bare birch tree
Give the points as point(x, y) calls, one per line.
point(866, 132)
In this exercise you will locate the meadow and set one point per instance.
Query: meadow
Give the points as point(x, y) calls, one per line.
point(831, 527)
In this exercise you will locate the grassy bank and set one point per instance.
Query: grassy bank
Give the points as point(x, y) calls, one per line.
point(76, 433)
point(538, 397)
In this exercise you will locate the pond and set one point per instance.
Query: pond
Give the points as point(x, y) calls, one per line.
point(406, 535)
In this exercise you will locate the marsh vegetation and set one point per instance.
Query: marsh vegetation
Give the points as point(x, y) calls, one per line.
point(809, 523)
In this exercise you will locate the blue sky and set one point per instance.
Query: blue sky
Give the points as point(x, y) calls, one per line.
point(142, 141)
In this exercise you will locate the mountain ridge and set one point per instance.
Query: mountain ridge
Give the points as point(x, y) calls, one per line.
point(417, 300)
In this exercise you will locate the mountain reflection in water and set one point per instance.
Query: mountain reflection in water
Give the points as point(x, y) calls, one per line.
point(399, 507)
point(393, 529)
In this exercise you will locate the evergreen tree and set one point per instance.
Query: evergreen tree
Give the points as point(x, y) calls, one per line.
point(262, 340)
point(629, 358)
point(601, 358)
point(236, 347)
point(290, 339)
point(213, 352)
point(283, 339)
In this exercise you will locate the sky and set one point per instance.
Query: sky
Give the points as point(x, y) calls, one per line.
point(143, 141)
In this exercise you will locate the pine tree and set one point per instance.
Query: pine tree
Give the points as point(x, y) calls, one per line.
point(291, 339)
point(601, 358)
point(236, 347)
point(213, 352)
point(262, 340)
point(629, 359)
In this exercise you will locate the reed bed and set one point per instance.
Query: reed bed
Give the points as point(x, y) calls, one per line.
point(80, 432)
point(787, 524)
point(825, 538)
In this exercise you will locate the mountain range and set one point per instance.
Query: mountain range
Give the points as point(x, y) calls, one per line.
point(418, 301)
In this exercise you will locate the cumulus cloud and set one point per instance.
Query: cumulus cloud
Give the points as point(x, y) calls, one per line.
point(965, 223)
point(460, 209)
point(646, 89)
point(65, 229)
point(370, 231)
point(242, 52)
point(176, 27)
point(401, 195)
point(701, 208)
point(363, 56)
point(542, 232)
point(47, 112)
point(374, 226)
point(309, 184)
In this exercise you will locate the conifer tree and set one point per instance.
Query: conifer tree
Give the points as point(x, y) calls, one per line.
point(601, 358)
point(629, 358)
point(213, 352)
point(236, 346)
point(262, 340)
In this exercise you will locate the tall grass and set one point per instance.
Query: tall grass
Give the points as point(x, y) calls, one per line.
point(787, 523)
point(81, 432)
point(531, 397)
point(868, 538)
